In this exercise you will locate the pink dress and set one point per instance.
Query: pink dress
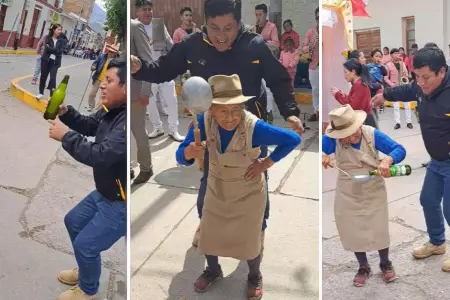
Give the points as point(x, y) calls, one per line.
point(290, 60)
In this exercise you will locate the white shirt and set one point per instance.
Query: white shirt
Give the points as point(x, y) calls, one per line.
point(52, 56)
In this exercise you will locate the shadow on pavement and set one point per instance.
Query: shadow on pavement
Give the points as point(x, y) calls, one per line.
point(302, 274)
point(170, 195)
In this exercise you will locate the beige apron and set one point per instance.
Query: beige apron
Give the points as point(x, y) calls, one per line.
point(361, 209)
point(233, 211)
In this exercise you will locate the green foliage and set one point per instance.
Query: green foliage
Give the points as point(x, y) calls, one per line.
point(116, 17)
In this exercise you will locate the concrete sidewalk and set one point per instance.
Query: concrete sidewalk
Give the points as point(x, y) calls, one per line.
point(39, 184)
point(418, 279)
point(164, 219)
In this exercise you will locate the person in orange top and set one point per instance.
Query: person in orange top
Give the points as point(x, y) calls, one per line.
point(187, 26)
point(289, 58)
point(269, 32)
point(265, 28)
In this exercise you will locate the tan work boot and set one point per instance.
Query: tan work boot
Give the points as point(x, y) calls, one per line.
point(446, 266)
point(75, 293)
point(69, 277)
point(428, 250)
point(196, 237)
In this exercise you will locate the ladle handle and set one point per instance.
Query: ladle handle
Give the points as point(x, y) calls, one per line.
point(198, 141)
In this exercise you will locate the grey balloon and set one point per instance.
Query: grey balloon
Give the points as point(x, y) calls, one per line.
point(196, 95)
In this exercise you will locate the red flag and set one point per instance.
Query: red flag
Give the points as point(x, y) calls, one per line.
point(359, 8)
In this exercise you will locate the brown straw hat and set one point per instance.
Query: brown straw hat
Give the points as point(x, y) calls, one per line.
point(227, 90)
point(344, 121)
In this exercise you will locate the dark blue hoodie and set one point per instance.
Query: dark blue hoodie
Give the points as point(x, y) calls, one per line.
point(434, 114)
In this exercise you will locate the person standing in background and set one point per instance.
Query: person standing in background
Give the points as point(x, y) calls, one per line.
point(289, 32)
point(165, 90)
point(395, 70)
point(289, 58)
point(386, 56)
point(40, 51)
point(140, 93)
point(99, 68)
point(405, 58)
point(414, 49)
point(311, 46)
point(51, 59)
point(269, 32)
point(187, 26)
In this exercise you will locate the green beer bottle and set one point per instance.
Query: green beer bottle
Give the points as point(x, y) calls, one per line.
point(56, 100)
point(397, 170)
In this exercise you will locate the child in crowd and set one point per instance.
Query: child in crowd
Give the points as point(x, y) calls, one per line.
point(290, 58)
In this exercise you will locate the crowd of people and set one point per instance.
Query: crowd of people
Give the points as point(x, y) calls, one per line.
point(256, 72)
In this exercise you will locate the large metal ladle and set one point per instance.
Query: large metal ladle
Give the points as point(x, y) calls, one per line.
point(197, 96)
point(358, 178)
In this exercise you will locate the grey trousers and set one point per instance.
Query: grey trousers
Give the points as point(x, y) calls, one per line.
point(137, 121)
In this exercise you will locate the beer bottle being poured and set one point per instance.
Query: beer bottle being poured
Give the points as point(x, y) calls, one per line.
point(397, 170)
point(56, 100)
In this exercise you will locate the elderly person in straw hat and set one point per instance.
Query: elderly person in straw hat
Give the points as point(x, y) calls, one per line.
point(99, 67)
point(361, 208)
point(236, 193)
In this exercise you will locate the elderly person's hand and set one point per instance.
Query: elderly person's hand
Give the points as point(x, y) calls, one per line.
point(384, 168)
point(136, 64)
point(258, 167)
point(194, 151)
point(326, 159)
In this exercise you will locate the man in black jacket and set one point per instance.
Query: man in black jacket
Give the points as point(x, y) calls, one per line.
point(100, 219)
point(227, 47)
point(431, 89)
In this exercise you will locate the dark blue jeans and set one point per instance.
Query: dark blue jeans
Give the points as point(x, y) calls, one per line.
point(204, 181)
point(436, 187)
point(94, 225)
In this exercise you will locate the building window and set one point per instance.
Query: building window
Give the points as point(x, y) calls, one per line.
point(410, 33)
point(2, 16)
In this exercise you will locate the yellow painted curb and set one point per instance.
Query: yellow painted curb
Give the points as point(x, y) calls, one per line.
point(402, 106)
point(19, 52)
point(27, 97)
point(300, 98)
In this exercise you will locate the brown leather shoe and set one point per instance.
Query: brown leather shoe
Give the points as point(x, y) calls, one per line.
point(388, 272)
point(446, 266)
point(428, 250)
point(69, 277)
point(203, 283)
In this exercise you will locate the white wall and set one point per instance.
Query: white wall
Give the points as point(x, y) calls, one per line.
point(387, 16)
point(301, 12)
point(16, 8)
